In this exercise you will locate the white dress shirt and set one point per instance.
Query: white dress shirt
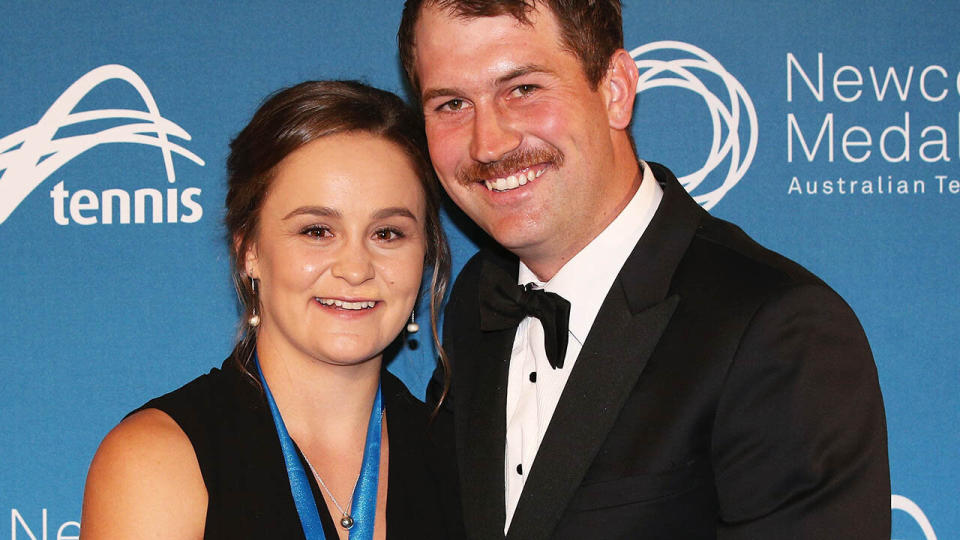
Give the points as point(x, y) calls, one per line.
point(533, 386)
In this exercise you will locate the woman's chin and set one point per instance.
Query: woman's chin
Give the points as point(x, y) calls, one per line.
point(349, 353)
point(352, 348)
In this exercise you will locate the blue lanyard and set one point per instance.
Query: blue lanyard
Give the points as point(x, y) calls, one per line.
point(364, 504)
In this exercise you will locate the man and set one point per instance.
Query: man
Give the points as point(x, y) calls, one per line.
point(705, 387)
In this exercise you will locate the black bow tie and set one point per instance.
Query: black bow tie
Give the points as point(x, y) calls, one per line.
point(503, 305)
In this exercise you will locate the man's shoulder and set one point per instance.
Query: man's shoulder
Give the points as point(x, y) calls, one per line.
point(729, 243)
point(472, 268)
point(464, 295)
point(721, 263)
point(720, 254)
point(725, 265)
point(468, 277)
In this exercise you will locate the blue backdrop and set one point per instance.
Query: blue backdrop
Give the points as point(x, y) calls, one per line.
point(829, 131)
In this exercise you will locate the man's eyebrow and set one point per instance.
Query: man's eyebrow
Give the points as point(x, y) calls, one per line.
point(439, 92)
point(505, 78)
point(322, 211)
point(523, 70)
point(384, 213)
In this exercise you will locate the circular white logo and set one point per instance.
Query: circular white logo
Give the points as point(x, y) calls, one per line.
point(899, 502)
point(733, 144)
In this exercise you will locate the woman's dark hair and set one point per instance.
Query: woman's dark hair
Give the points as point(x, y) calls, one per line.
point(288, 120)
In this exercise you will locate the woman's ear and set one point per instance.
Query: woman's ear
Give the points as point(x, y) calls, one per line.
point(248, 258)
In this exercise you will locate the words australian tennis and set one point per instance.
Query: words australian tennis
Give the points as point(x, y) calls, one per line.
point(877, 115)
point(31, 155)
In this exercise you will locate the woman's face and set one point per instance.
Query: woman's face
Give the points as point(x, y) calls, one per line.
point(340, 249)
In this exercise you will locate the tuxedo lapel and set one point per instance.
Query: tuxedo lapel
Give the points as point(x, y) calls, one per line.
point(484, 424)
point(605, 372)
point(625, 333)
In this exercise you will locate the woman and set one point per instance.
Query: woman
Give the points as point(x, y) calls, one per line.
point(331, 212)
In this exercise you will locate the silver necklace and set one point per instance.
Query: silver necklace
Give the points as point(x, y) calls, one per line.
point(346, 520)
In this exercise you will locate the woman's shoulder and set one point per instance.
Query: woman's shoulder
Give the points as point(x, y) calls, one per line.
point(421, 440)
point(396, 393)
point(412, 416)
point(201, 396)
point(149, 448)
point(144, 472)
point(423, 471)
point(401, 405)
point(151, 465)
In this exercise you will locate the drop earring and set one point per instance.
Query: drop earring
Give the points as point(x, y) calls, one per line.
point(412, 326)
point(254, 320)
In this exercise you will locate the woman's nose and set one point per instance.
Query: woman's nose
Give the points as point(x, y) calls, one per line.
point(353, 264)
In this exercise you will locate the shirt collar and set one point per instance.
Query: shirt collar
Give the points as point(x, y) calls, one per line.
point(582, 281)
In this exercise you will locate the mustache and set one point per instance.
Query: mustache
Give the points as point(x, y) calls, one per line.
point(512, 162)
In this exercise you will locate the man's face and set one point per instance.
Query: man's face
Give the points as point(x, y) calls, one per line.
point(518, 138)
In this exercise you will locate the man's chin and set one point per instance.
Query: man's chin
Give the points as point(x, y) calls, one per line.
point(517, 239)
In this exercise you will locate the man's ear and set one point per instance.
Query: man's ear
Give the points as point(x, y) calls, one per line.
point(247, 260)
point(620, 89)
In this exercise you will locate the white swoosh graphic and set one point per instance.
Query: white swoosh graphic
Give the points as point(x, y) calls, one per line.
point(31, 155)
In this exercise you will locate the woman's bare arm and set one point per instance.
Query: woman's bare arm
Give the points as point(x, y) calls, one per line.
point(144, 482)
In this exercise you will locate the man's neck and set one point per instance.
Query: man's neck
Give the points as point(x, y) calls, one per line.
point(546, 261)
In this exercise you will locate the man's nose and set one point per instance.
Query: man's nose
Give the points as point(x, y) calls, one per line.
point(353, 264)
point(494, 135)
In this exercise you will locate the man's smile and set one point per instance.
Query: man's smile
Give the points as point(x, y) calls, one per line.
point(515, 180)
point(512, 171)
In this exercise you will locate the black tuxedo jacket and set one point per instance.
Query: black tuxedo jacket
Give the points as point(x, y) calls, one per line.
point(722, 392)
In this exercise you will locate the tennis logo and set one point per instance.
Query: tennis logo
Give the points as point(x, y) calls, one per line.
point(681, 65)
point(29, 156)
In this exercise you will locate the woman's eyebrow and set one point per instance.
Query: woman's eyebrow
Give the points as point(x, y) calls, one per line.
point(394, 211)
point(323, 211)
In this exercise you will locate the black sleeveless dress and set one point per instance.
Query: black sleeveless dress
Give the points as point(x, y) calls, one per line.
point(229, 424)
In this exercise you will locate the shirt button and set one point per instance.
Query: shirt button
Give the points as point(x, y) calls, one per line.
point(533, 376)
point(520, 469)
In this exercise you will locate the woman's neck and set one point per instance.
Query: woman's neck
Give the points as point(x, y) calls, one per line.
point(321, 403)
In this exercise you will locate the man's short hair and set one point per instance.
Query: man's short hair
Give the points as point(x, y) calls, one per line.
point(590, 29)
